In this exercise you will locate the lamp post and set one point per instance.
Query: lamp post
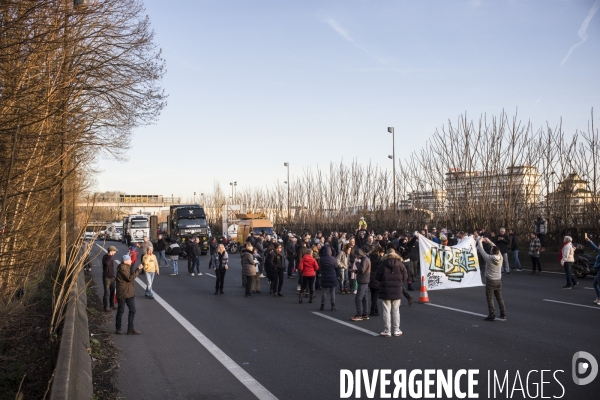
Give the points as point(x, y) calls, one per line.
point(393, 157)
point(233, 185)
point(287, 165)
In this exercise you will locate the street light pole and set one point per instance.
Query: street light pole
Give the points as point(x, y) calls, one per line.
point(286, 164)
point(391, 130)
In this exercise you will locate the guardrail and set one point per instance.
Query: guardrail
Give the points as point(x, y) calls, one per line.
point(73, 374)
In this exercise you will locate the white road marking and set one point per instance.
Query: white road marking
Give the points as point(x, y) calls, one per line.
point(244, 377)
point(101, 248)
point(547, 272)
point(206, 273)
point(589, 288)
point(358, 328)
point(571, 304)
point(456, 309)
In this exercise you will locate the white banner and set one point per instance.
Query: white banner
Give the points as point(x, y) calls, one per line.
point(449, 267)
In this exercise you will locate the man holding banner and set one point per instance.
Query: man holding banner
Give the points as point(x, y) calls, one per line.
point(455, 267)
point(493, 282)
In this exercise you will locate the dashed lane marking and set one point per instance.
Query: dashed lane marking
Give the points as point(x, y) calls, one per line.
point(358, 328)
point(571, 304)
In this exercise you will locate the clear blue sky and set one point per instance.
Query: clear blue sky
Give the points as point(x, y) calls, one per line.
point(253, 84)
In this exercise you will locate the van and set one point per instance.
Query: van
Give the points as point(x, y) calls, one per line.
point(253, 223)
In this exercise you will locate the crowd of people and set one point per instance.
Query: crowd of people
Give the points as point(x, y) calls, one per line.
point(370, 266)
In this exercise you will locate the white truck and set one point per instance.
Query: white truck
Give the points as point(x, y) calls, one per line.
point(138, 226)
point(115, 231)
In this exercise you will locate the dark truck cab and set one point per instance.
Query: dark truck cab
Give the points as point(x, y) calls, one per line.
point(187, 220)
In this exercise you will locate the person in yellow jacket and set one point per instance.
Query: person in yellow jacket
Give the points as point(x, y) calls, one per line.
point(362, 224)
point(150, 264)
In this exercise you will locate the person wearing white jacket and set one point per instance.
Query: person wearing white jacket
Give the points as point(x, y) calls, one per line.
point(567, 260)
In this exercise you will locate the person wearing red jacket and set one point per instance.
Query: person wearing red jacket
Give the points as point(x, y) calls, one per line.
point(308, 267)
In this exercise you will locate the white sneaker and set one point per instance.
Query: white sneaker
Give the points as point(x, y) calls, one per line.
point(299, 288)
point(262, 276)
point(398, 333)
point(386, 333)
point(199, 273)
point(192, 274)
point(597, 301)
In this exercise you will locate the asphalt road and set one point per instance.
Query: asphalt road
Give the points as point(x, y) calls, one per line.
point(290, 352)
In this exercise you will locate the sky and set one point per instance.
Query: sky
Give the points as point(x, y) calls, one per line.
point(254, 84)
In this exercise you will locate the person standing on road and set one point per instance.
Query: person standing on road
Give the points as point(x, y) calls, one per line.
point(213, 247)
point(160, 248)
point(248, 269)
point(290, 252)
point(342, 260)
point(277, 270)
point(196, 253)
point(534, 252)
point(502, 242)
point(188, 250)
point(150, 264)
point(567, 258)
point(108, 279)
point(514, 248)
point(391, 274)
point(220, 267)
point(596, 283)
point(327, 267)
point(174, 251)
point(540, 227)
point(363, 272)
point(145, 245)
point(375, 257)
point(126, 294)
point(308, 267)
point(493, 279)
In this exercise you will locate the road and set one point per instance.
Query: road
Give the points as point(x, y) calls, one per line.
point(195, 345)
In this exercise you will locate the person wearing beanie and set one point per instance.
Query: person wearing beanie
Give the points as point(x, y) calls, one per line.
point(126, 294)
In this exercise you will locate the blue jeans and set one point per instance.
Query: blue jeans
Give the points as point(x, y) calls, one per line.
point(596, 284)
point(570, 278)
point(175, 266)
point(160, 255)
point(343, 278)
point(149, 279)
point(361, 300)
point(196, 264)
point(505, 265)
point(516, 259)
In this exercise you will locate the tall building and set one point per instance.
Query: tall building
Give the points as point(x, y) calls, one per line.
point(511, 189)
point(432, 200)
point(571, 196)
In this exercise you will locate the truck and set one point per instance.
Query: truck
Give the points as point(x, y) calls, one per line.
point(187, 220)
point(115, 231)
point(137, 226)
point(255, 224)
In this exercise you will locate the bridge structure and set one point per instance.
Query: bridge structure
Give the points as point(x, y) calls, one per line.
point(142, 204)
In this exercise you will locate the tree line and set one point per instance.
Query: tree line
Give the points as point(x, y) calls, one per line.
point(74, 82)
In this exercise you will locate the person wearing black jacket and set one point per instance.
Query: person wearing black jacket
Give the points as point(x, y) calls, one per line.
point(502, 242)
point(195, 253)
point(391, 275)
point(373, 282)
point(275, 260)
point(514, 248)
point(261, 252)
point(159, 249)
point(213, 245)
point(188, 250)
point(327, 267)
point(361, 300)
point(290, 252)
point(108, 279)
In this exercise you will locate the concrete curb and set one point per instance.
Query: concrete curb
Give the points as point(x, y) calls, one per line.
point(73, 374)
